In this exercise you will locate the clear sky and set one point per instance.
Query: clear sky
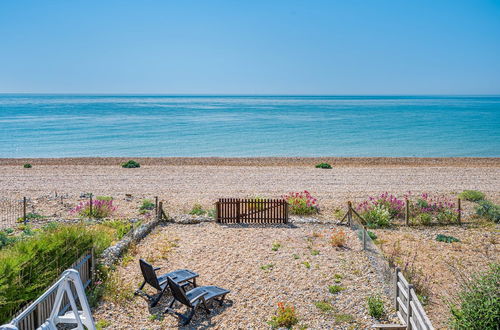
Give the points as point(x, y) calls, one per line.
point(250, 47)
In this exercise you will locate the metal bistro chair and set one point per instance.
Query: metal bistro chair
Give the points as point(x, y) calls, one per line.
point(182, 277)
point(194, 298)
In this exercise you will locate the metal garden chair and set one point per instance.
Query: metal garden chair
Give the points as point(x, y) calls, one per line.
point(181, 277)
point(193, 298)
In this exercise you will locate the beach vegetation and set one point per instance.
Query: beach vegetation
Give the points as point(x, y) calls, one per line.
point(338, 238)
point(324, 306)
point(314, 252)
point(146, 205)
point(334, 289)
point(276, 246)
point(267, 267)
point(28, 266)
point(378, 217)
point(285, 317)
point(307, 264)
point(376, 307)
point(104, 198)
point(372, 235)
point(343, 318)
point(472, 195)
point(31, 216)
point(131, 164)
point(446, 239)
point(212, 213)
point(477, 305)
point(323, 165)
point(27, 165)
point(100, 209)
point(488, 210)
point(102, 324)
point(301, 203)
point(295, 256)
point(197, 210)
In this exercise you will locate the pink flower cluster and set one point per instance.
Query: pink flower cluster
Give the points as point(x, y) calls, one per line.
point(100, 208)
point(394, 205)
point(299, 198)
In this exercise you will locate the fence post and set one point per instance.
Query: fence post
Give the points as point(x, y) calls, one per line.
point(364, 238)
point(156, 206)
point(92, 267)
point(286, 211)
point(90, 206)
point(408, 307)
point(459, 211)
point(407, 212)
point(160, 211)
point(349, 213)
point(24, 210)
point(238, 210)
point(397, 288)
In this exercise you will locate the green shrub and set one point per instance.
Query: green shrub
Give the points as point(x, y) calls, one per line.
point(478, 303)
point(212, 213)
point(446, 239)
point(30, 265)
point(197, 210)
point(147, 205)
point(425, 219)
point(6, 239)
point(372, 235)
point(285, 317)
point(488, 210)
point(334, 289)
point(376, 307)
point(378, 217)
point(122, 227)
point(471, 195)
point(27, 165)
point(447, 216)
point(276, 246)
point(131, 164)
point(104, 198)
point(324, 165)
point(323, 306)
point(31, 216)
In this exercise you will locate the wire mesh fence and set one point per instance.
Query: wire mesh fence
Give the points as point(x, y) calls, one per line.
point(12, 212)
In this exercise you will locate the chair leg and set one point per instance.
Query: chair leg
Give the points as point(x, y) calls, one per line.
point(154, 302)
point(187, 319)
point(205, 307)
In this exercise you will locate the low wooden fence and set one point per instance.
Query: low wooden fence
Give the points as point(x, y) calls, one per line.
point(251, 211)
point(408, 307)
point(85, 265)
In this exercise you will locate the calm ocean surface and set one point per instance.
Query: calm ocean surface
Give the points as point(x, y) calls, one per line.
point(77, 125)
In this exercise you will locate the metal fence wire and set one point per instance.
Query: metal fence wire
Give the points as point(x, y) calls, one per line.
point(11, 212)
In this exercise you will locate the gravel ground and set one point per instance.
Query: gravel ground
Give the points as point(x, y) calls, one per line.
point(233, 257)
point(441, 267)
point(183, 186)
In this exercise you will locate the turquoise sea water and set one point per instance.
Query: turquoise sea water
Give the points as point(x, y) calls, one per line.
point(83, 125)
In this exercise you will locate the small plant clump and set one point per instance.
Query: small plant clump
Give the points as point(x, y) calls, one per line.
point(323, 306)
point(31, 216)
point(338, 238)
point(197, 210)
point(100, 209)
point(378, 217)
point(324, 166)
point(334, 289)
point(276, 246)
point(488, 210)
point(285, 317)
point(302, 203)
point(267, 267)
point(376, 307)
point(372, 235)
point(472, 195)
point(27, 165)
point(131, 164)
point(147, 205)
point(446, 239)
point(307, 264)
point(478, 303)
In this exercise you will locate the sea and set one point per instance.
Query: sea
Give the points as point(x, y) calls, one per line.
point(248, 126)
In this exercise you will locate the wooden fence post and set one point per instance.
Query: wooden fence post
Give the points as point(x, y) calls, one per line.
point(349, 213)
point(238, 210)
point(90, 206)
point(459, 212)
point(364, 238)
point(156, 206)
point(24, 210)
point(92, 267)
point(160, 211)
point(408, 307)
point(407, 212)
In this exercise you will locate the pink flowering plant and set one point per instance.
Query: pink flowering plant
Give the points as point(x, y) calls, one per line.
point(426, 208)
point(394, 205)
point(302, 203)
point(100, 209)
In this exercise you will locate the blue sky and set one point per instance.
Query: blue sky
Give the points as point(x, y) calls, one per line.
point(250, 47)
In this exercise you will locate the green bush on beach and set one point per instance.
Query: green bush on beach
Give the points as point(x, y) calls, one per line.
point(488, 210)
point(131, 164)
point(324, 166)
point(471, 195)
point(478, 303)
point(30, 265)
point(27, 165)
